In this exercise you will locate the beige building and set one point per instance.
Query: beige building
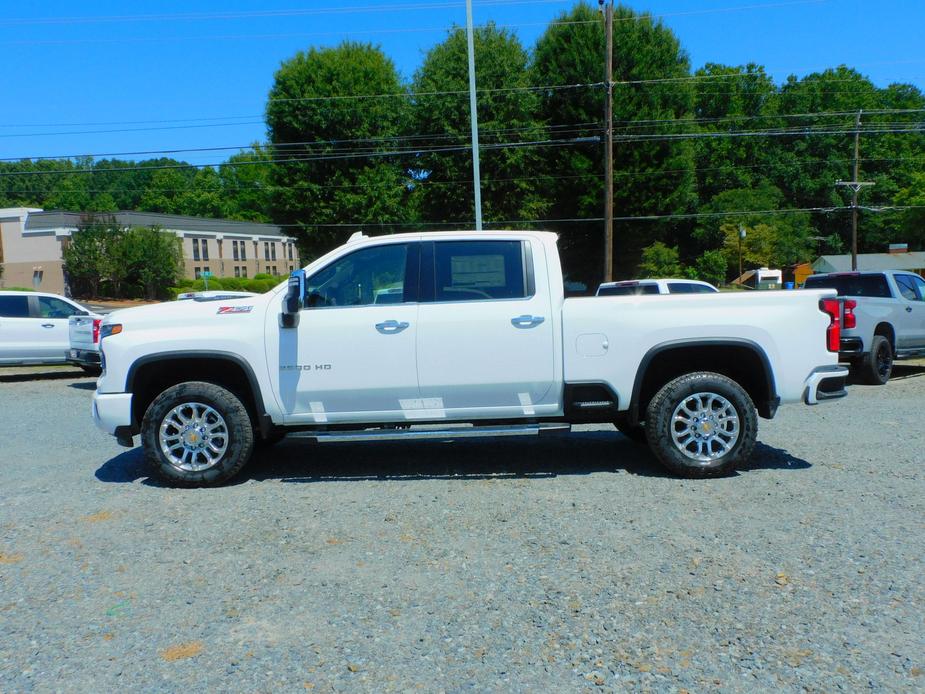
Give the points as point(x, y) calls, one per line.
point(31, 241)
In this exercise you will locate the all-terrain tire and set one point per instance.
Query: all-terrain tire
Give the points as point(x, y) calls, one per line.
point(233, 432)
point(715, 403)
point(877, 366)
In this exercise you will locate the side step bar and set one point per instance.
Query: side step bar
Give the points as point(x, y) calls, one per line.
point(433, 434)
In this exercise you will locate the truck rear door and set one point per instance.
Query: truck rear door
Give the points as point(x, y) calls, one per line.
point(910, 328)
point(485, 339)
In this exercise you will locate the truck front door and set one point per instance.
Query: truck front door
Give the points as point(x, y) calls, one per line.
point(485, 333)
point(912, 291)
point(352, 356)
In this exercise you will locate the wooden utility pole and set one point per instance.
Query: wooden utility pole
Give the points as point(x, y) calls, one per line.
point(855, 185)
point(608, 142)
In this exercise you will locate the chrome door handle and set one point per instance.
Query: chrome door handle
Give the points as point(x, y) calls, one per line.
point(48, 325)
point(908, 309)
point(390, 327)
point(526, 321)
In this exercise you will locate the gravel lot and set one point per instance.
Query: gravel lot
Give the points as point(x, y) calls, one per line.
point(568, 564)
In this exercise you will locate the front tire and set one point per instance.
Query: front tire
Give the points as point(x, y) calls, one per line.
point(701, 425)
point(877, 366)
point(197, 434)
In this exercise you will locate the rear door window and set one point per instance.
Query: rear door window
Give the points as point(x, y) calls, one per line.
point(479, 270)
point(628, 290)
point(852, 285)
point(681, 288)
point(14, 306)
point(907, 288)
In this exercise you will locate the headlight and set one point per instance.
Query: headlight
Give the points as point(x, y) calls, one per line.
point(108, 329)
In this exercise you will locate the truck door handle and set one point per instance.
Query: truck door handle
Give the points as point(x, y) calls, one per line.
point(526, 321)
point(390, 327)
point(48, 325)
point(908, 309)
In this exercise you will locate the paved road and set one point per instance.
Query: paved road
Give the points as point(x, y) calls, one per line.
point(562, 564)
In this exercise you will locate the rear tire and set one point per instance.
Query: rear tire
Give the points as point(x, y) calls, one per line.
point(701, 425)
point(197, 434)
point(877, 366)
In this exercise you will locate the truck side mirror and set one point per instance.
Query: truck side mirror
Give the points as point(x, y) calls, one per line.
point(292, 304)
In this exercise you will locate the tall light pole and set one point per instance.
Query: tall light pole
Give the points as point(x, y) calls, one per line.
point(607, 6)
point(474, 119)
point(741, 238)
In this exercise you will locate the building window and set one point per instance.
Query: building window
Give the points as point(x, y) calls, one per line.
point(206, 269)
point(234, 249)
point(273, 250)
point(243, 251)
point(237, 270)
point(290, 244)
point(266, 250)
point(205, 249)
point(197, 272)
point(195, 249)
point(243, 271)
point(290, 269)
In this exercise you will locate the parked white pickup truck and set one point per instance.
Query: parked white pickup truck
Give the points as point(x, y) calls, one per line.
point(479, 342)
point(883, 318)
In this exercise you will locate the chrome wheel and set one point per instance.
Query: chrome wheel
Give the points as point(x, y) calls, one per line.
point(705, 427)
point(193, 437)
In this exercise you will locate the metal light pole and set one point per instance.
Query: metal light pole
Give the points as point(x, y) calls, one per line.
point(741, 238)
point(608, 140)
point(474, 119)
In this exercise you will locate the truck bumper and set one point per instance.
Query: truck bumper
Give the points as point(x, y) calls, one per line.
point(82, 357)
point(825, 383)
point(112, 412)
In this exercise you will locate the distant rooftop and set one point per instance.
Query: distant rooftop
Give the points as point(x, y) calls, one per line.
point(914, 260)
point(57, 219)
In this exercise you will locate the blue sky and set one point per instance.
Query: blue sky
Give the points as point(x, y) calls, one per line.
point(196, 73)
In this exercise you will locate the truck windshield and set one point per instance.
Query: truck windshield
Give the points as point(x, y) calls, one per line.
point(851, 285)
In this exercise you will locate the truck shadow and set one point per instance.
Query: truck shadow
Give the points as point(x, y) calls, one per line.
point(23, 377)
point(583, 453)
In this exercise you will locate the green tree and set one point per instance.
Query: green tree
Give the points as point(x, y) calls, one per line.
point(911, 222)
point(653, 174)
point(506, 114)
point(331, 145)
point(711, 266)
point(155, 259)
point(246, 185)
point(86, 255)
point(659, 260)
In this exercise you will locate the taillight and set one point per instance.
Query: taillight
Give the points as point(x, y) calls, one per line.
point(850, 320)
point(96, 329)
point(833, 333)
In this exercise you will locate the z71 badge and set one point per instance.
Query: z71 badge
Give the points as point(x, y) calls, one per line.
point(235, 309)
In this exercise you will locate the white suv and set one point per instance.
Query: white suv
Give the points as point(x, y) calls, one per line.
point(34, 327)
point(664, 286)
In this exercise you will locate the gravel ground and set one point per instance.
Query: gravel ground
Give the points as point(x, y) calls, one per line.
point(570, 563)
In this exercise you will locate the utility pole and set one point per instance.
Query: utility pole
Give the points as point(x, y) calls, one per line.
point(855, 186)
point(741, 237)
point(608, 141)
point(474, 119)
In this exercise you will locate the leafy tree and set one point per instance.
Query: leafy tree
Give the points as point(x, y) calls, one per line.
point(653, 175)
point(246, 186)
point(730, 98)
point(659, 260)
point(911, 222)
point(323, 143)
point(506, 113)
point(86, 256)
point(711, 266)
point(155, 259)
point(772, 238)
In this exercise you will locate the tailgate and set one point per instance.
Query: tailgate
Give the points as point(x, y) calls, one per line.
point(81, 332)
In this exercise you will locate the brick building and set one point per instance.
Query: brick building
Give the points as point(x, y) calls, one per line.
point(31, 241)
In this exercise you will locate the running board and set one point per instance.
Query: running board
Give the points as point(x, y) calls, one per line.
point(433, 434)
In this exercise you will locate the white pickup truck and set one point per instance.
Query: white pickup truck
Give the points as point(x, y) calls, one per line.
point(475, 339)
point(883, 318)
